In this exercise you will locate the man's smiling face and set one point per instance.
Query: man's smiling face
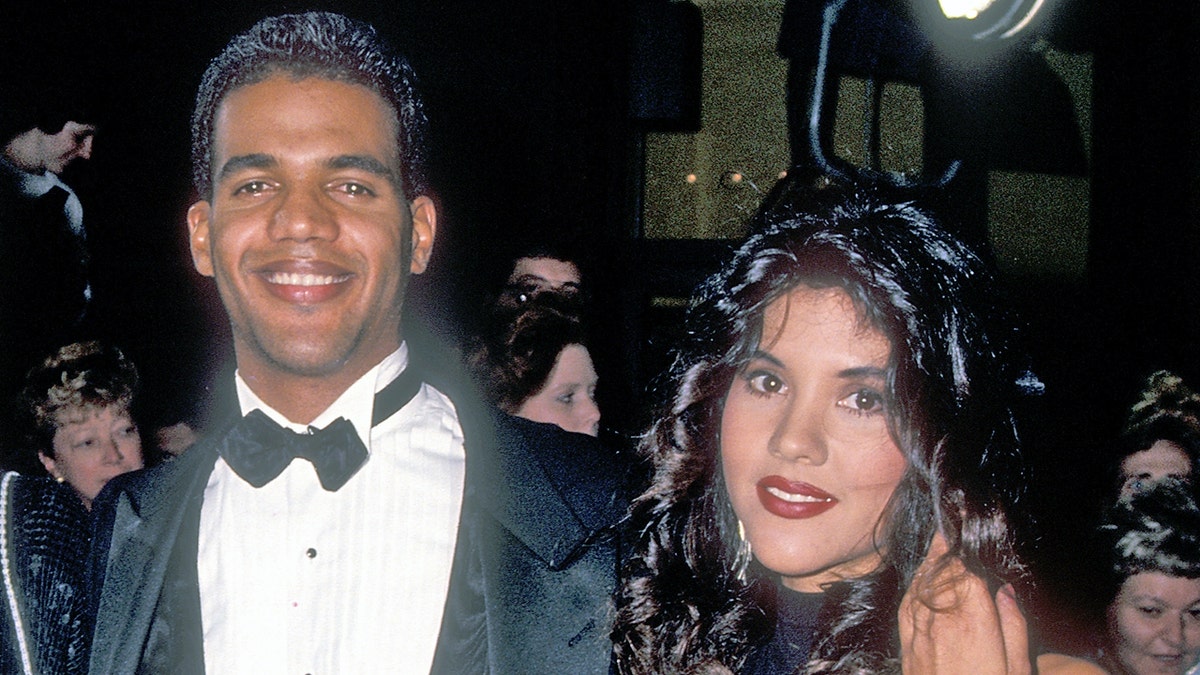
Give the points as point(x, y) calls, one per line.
point(307, 229)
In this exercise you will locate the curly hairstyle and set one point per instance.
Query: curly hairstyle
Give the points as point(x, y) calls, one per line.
point(513, 357)
point(81, 376)
point(1165, 395)
point(1156, 530)
point(314, 44)
point(953, 383)
point(1167, 410)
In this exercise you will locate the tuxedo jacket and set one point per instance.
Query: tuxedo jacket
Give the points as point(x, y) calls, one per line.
point(530, 589)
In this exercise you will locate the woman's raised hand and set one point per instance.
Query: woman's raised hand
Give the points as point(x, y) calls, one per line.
point(951, 623)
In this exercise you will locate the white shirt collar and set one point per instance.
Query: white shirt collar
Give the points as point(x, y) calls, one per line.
point(33, 185)
point(355, 404)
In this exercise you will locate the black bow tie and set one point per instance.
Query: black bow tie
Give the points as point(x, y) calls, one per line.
point(258, 449)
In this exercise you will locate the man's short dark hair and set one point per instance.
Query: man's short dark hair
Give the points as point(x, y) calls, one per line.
point(314, 44)
point(36, 105)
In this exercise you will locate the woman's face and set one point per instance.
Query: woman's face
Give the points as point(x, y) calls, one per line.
point(91, 446)
point(1154, 624)
point(568, 398)
point(805, 449)
point(1161, 460)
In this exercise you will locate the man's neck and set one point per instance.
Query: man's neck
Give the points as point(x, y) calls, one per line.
point(23, 152)
point(299, 398)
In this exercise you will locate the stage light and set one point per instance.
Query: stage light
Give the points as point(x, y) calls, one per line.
point(963, 9)
point(980, 20)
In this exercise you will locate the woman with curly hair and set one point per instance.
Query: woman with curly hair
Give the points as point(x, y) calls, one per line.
point(1153, 615)
point(77, 412)
point(836, 471)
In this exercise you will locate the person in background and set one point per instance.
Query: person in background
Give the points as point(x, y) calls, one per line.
point(1153, 617)
point(44, 281)
point(836, 467)
point(534, 363)
point(77, 412)
point(44, 537)
point(1161, 437)
point(543, 267)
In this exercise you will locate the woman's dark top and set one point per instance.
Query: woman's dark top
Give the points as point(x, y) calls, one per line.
point(789, 647)
point(45, 537)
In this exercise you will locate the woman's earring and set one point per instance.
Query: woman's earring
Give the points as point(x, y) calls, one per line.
point(59, 479)
point(742, 562)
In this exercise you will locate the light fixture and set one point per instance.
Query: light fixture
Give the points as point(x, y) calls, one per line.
point(963, 9)
point(979, 20)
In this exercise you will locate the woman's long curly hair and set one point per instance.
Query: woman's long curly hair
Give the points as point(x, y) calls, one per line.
point(954, 378)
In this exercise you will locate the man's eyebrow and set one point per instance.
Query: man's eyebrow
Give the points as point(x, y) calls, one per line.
point(363, 163)
point(256, 160)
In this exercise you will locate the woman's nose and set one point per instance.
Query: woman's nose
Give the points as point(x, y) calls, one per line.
point(112, 451)
point(798, 435)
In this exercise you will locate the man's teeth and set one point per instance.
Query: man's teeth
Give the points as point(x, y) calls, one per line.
point(293, 279)
point(795, 498)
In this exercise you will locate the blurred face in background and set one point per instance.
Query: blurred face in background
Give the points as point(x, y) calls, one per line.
point(568, 398)
point(91, 446)
point(1161, 460)
point(545, 273)
point(1154, 624)
point(73, 142)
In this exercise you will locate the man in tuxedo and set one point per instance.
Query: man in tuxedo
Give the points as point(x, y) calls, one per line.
point(356, 518)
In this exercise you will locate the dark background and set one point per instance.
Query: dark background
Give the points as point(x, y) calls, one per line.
point(533, 136)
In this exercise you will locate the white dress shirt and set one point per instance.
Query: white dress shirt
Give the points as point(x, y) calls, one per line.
point(295, 579)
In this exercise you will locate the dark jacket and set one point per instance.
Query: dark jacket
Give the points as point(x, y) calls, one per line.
point(530, 589)
point(42, 621)
point(42, 280)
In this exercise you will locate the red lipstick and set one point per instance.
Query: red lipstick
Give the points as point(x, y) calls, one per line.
point(792, 500)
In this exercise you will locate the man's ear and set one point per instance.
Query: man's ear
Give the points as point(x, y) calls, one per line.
point(197, 217)
point(424, 228)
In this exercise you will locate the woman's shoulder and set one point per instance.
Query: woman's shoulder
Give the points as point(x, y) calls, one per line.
point(1061, 664)
point(36, 501)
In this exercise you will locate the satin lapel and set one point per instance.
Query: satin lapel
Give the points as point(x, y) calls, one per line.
point(525, 500)
point(151, 510)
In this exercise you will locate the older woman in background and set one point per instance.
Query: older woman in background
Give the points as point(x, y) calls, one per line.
point(77, 413)
point(1153, 617)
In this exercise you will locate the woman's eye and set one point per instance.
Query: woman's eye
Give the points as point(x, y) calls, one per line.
point(765, 382)
point(567, 399)
point(864, 402)
point(1150, 611)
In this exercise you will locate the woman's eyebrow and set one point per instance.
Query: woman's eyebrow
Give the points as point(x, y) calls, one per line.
point(862, 372)
point(760, 355)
